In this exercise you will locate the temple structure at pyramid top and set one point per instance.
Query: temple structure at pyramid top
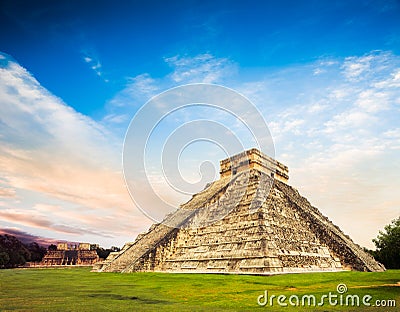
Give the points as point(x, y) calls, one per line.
point(254, 159)
point(258, 224)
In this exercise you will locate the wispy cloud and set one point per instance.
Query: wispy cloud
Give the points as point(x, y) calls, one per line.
point(38, 221)
point(7, 192)
point(204, 68)
point(26, 237)
point(94, 64)
point(334, 122)
point(50, 154)
point(367, 67)
point(201, 68)
point(138, 90)
point(339, 137)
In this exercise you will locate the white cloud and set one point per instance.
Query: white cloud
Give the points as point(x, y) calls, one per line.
point(392, 133)
point(49, 154)
point(317, 108)
point(348, 121)
point(121, 108)
point(202, 68)
point(338, 133)
point(94, 64)
point(37, 220)
point(370, 67)
point(373, 101)
point(319, 71)
point(393, 81)
point(323, 66)
point(334, 122)
point(116, 119)
point(7, 192)
point(353, 186)
point(142, 84)
point(354, 67)
point(137, 91)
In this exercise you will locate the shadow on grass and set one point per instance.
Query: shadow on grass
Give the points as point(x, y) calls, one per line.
point(121, 297)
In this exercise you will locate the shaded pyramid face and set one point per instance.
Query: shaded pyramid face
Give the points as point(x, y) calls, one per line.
point(267, 228)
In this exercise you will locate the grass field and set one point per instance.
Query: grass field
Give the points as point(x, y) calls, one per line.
point(77, 289)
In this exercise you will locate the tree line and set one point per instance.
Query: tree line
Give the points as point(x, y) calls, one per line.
point(14, 253)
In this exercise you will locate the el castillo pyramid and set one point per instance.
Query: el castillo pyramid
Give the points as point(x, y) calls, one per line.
point(266, 227)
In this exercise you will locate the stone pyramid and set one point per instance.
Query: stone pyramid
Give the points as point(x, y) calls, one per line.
point(250, 221)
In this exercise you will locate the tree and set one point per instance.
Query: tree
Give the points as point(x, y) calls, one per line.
point(103, 253)
point(4, 259)
point(52, 247)
point(17, 253)
point(37, 251)
point(388, 245)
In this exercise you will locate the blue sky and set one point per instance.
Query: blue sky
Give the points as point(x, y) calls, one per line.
point(125, 39)
point(324, 74)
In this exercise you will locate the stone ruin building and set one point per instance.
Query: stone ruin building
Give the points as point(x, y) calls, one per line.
point(268, 228)
point(66, 254)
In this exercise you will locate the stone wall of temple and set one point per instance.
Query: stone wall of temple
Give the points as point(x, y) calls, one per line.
point(254, 159)
point(68, 255)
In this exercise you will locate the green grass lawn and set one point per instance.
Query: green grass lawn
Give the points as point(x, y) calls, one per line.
point(77, 289)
